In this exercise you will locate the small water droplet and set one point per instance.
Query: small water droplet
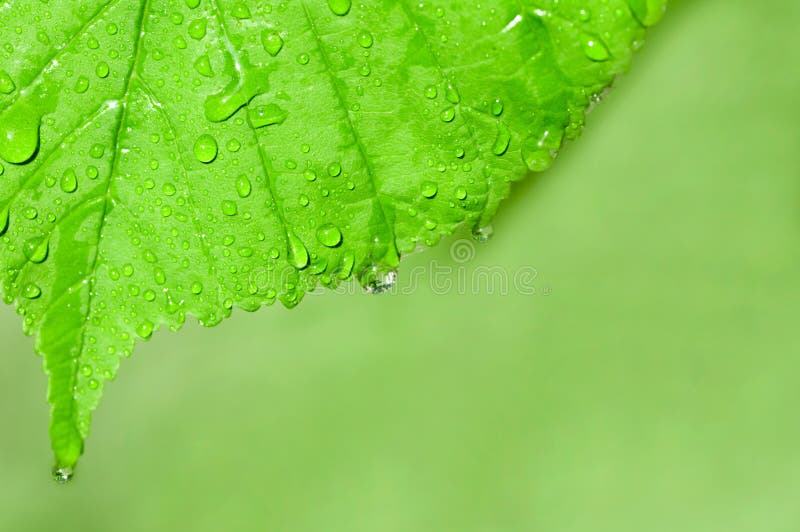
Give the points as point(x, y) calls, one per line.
point(63, 475)
point(482, 233)
point(31, 291)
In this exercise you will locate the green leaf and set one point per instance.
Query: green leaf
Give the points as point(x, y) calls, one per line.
point(173, 158)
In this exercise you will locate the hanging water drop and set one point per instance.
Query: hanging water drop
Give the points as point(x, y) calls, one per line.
point(63, 475)
point(377, 280)
point(482, 233)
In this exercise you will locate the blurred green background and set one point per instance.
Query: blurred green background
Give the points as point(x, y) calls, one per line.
point(650, 383)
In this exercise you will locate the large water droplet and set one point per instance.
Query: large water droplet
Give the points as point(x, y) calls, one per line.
point(329, 235)
point(340, 7)
point(595, 49)
point(36, 249)
point(19, 135)
point(31, 291)
point(69, 181)
point(298, 254)
point(206, 149)
point(7, 85)
point(272, 42)
point(265, 115)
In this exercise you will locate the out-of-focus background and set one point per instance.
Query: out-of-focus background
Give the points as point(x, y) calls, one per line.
point(641, 373)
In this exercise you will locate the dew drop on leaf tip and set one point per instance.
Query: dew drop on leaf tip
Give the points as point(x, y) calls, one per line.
point(377, 281)
point(483, 234)
point(63, 475)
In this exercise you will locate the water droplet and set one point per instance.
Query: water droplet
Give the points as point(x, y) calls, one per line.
point(241, 11)
point(266, 115)
point(145, 330)
point(303, 59)
point(298, 254)
point(197, 28)
point(69, 181)
point(19, 135)
point(63, 475)
point(429, 189)
point(431, 92)
point(502, 141)
point(102, 70)
point(229, 208)
point(377, 280)
point(206, 149)
point(595, 49)
point(7, 85)
point(31, 291)
point(448, 115)
point(334, 169)
point(243, 186)
point(482, 234)
point(97, 151)
point(272, 42)
point(329, 235)
point(365, 39)
point(497, 107)
point(203, 66)
point(36, 249)
point(82, 84)
point(451, 94)
point(340, 7)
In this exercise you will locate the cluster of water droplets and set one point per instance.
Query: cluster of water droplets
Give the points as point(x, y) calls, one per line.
point(479, 141)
